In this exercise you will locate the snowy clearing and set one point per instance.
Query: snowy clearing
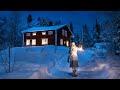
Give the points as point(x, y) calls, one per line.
point(50, 62)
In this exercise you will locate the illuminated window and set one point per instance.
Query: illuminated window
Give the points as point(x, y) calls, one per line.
point(44, 41)
point(33, 41)
point(67, 43)
point(34, 34)
point(50, 32)
point(43, 33)
point(61, 41)
point(27, 34)
point(27, 41)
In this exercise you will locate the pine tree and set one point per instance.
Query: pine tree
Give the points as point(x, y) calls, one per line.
point(111, 30)
point(97, 31)
point(29, 20)
point(50, 23)
point(2, 32)
point(56, 22)
point(86, 37)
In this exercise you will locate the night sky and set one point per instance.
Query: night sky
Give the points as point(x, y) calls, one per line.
point(78, 18)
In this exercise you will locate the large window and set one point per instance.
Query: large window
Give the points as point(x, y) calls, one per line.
point(34, 34)
point(27, 34)
point(33, 41)
point(43, 33)
point(27, 41)
point(61, 41)
point(50, 32)
point(44, 41)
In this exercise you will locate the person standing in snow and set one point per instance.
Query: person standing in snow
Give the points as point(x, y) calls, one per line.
point(73, 58)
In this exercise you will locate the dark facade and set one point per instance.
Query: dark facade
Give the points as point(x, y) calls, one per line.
point(60, 37)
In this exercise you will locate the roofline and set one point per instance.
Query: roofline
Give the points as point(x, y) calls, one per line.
point(45, 30)
point(70, 30)
point(55, 29)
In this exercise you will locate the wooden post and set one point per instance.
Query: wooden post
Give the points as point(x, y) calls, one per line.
point(55, 40)
point(9, 59)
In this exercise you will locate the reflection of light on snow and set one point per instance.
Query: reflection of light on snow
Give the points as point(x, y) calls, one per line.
point(80, 69)
point(100, 67)
point(112, 74)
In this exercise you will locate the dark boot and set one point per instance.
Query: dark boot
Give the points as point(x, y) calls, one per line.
point(74, 73)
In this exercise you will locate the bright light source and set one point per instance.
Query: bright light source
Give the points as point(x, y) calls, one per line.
point(43, 33)
point(27, 41)
point(80, 48)
point(33, 41)
point(34, 34)
point(44, 41)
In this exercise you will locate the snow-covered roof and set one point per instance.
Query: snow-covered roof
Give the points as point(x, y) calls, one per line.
point(33, 29)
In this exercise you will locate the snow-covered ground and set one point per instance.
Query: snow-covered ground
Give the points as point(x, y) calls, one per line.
point(50, 62)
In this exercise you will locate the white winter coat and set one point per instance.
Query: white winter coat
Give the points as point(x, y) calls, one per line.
point(73, 53)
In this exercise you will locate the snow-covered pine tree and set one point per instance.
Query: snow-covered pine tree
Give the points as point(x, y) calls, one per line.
point(12, 33)
point(86, 37)
point(106, 32)
point(111, 30)
point(13, 28)
point(29, 20)
point(50, 23)
point(97, 31)
point(3, 21)
point(43, 22)
point(57, 22)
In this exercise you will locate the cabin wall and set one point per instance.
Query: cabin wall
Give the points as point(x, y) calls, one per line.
point(39, 37)
point(60, 36)
point(51, 38)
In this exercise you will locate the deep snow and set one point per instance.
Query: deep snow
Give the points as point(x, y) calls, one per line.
point(50, 62)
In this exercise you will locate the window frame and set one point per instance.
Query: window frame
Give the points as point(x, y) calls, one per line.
point(28, 34)
point(32, 42)
point(44, 33)
point(61, 41)
point(45, 41)
point(65, 33)
point(26, 42)
point(64, 42)
point(34, 33)
point(50, 32)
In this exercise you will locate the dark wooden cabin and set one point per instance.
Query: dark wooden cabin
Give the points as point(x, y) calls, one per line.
point(59, 35)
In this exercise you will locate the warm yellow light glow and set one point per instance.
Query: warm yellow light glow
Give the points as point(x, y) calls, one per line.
point(33, 41)
point(44, 41)
point(34, 34)
point(67, 43)
point(43, 33)
point(80, 48)
point(27, 41)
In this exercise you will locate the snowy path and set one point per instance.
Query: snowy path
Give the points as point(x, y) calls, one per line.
point(62, 70)
point(44, 63)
